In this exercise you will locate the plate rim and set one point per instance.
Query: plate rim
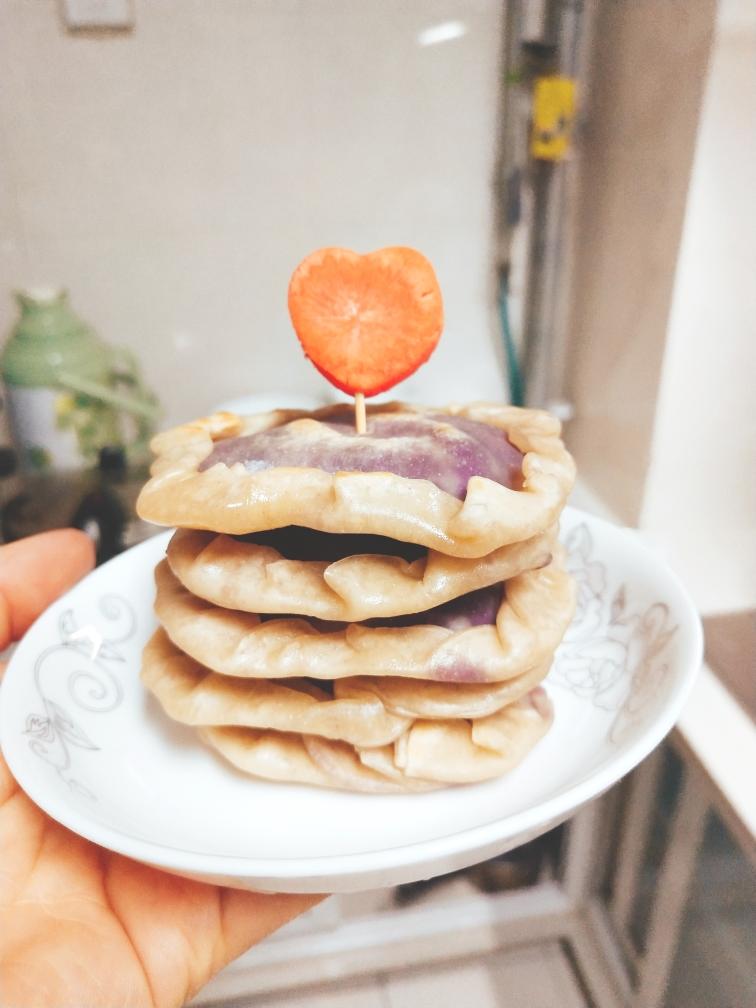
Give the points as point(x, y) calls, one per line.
point(557, 808)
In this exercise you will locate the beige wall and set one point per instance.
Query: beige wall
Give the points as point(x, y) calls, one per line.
point(643, 109)
point(700, 506)
point(172, 177)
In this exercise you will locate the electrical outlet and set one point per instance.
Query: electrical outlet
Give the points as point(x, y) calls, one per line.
point(98, 13)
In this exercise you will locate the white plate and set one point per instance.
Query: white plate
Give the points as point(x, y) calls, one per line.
point(97, 754)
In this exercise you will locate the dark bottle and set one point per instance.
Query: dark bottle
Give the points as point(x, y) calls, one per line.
point(9, 481)
point(38, 502)
point(100, 501)
point(101, 513)
point(8, 462)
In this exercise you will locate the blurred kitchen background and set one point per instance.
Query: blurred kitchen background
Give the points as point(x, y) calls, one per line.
point(580, 173)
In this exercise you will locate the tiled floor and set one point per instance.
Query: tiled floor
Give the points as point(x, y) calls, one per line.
point(713, 967)
point(714, 963)
point(530, 977)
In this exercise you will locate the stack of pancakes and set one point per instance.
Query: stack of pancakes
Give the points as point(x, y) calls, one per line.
point(372, 612)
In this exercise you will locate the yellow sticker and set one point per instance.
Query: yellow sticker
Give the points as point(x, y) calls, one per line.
point(553, 116)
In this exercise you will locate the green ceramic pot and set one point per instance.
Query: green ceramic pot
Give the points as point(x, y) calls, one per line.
point(70, 394)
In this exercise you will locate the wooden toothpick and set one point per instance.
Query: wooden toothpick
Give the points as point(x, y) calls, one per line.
point(360, 421)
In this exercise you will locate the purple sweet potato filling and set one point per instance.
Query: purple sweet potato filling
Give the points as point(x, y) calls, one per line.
point(447, 450)
point(477, 608)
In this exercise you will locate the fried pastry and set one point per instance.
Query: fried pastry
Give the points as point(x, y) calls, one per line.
point(193, 695)
point(429, 754)
point(487, 636)
point(464, 481)
point(416, 698)
point(370, 611)
point(361, 710)
point(286, 758)
point(342, 578)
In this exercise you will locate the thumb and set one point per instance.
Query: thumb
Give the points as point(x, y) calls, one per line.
point(34, 572)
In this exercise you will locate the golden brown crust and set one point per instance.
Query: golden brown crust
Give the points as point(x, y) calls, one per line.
point(236, 501)
point(531, 621)
point(253, 578)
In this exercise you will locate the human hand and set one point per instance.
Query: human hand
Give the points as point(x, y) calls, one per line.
point(81, 927)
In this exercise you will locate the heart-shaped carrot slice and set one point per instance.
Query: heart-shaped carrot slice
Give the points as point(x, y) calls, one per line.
point(366, 321)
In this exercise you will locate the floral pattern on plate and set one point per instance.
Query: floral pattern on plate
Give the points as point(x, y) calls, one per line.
point(613, 652)
point(81, 669)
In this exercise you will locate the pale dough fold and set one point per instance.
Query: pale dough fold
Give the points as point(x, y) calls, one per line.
point(285, 758)
point(256, 578)
point(535, 611)
point(461, 751)
point(235, 501)
point(361, 711)
point(416, 698)
point(193, 695)
point(429, 754)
